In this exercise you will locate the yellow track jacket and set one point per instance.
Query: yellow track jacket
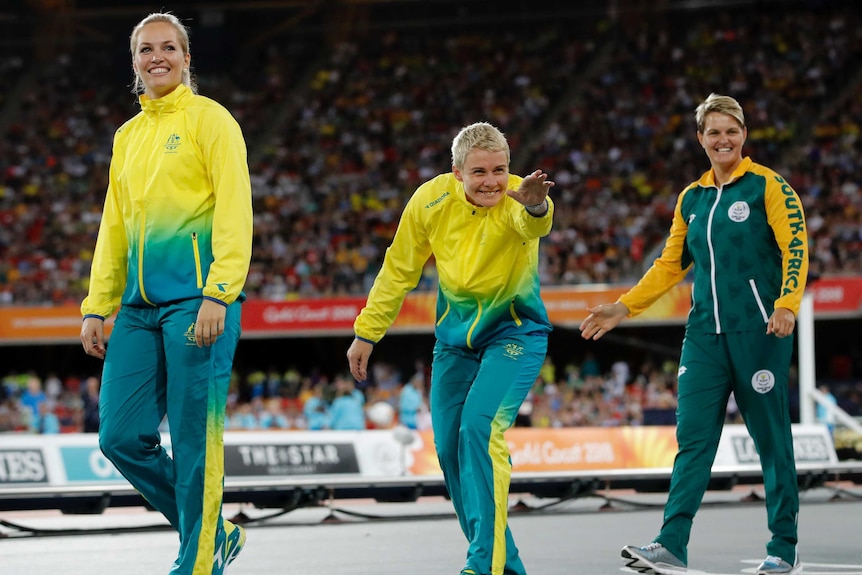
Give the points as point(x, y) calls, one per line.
point(748, 243)
point(177, 220)
point(487, 263)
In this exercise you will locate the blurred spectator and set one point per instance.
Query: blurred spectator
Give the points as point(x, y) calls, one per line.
point(272, 416)
point(822, 413)
point(348, 407)
point(90, 405)
point(316, 410)
point(411, 402)
point(46, 421)
point(33, 397)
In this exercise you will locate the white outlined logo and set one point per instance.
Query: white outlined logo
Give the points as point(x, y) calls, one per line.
point(739, 212)
point(763, 381)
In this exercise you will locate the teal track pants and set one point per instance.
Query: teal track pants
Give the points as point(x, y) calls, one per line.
point(154, 368)
point(475, 396)
point(755, 367)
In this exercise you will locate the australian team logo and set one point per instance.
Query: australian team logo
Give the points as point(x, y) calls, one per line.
point(190, 335)
point(513, 350)
point(763, 381)
point(172, 144)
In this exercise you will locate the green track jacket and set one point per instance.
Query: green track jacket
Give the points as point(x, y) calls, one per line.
point(748, 243)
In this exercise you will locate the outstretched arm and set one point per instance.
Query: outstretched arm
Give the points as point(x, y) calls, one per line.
point(602, 319)
point(533, 191)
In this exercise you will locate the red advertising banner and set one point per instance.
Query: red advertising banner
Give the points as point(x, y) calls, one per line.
point(308, 316)
point(837, 297)
point(567, 306)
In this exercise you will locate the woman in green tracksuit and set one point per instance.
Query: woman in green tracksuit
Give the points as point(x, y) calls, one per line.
point(174, 247)
point(742, 228)
point(483, 226)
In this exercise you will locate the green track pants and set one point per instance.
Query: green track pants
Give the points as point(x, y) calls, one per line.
point(475, 396)
point(154, 368)
point(755, 367)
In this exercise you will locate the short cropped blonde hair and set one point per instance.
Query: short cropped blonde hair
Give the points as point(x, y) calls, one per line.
point(479, 135)
point(721, 104)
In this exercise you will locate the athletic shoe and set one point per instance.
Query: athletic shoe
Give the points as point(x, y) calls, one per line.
point(654, 558)
point(229, 547)
point(773, 565)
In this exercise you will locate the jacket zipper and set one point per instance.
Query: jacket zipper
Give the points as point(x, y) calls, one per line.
point(141, 257)
point(514, 313)
point(712, 261)
point(475, 323)
point(197, 253)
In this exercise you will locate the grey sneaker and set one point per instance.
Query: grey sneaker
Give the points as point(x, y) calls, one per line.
point(773, 565)
point(653, 558)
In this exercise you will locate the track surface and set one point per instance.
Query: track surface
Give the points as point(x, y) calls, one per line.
point(361, 537)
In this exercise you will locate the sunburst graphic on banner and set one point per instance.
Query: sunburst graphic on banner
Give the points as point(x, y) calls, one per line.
point(425, 460)
point(651, 446)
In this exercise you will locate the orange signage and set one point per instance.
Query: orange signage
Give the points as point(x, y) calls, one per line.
point(572, 449)
point(42, 324)
point(567, 307)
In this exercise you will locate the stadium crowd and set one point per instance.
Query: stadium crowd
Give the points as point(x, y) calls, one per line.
point(583, 393)
point(338, 142)
point(340, 134)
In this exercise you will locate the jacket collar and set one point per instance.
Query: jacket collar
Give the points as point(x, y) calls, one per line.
point(168, 103)
point(462, 194)
point(707, 180)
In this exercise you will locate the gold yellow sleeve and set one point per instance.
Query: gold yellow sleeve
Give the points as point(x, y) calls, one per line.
point(109, 267)
point(665, 272)
point(400, 273)
point(224, 150)
point(787, 219)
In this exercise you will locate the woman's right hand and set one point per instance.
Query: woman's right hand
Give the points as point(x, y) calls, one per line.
point(93, 337)
point(602, 319)
point(357, 358)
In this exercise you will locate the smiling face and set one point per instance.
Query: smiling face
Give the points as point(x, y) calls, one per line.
point(159, 59)
point(485, 176)
point(722, 139)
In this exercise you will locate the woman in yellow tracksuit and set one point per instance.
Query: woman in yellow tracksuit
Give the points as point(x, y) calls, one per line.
point(173, 249)
point(483, 226)
point(742, 229)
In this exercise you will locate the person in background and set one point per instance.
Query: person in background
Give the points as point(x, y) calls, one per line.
point(315, 410)
point(32, 397)
point(90, 405)
point(824, 415)
point(411, 401)
point(347, 411)
point(47, 422)
point(483, 226)
point(173, 248)
point(741, 227)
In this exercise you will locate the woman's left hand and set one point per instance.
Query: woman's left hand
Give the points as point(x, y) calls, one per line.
point(210, 322)
point(781, 323)
point(533, 189)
